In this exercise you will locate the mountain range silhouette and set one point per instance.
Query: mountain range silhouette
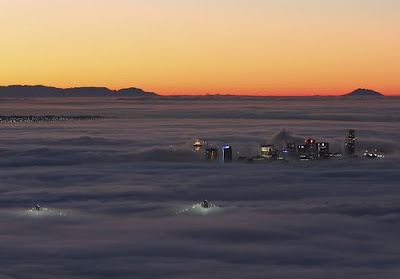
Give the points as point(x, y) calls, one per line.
point(48, 91)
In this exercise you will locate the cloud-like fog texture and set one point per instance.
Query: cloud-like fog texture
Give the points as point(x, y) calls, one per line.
point(121, 183)
point(283, 137)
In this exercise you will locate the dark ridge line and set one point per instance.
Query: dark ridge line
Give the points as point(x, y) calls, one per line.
point(21, 91)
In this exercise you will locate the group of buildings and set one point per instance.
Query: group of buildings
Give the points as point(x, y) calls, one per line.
point(307, 151)
point(212, 153)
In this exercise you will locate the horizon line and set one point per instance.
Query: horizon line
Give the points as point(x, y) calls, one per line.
point(192, 95)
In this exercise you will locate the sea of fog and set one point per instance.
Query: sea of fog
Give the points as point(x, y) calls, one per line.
point(119, 196)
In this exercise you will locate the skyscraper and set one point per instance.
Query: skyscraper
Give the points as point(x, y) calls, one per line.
point(226, 154)
point(301, 151)
point(350, 143)
point(323, 150)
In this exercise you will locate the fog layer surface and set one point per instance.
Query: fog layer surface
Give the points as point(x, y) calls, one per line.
point(124, 184)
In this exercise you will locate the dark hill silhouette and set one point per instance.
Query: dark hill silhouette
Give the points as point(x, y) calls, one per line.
point(364, 92)
point(22, 91)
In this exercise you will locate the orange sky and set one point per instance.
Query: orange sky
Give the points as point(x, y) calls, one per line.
point(257, 47)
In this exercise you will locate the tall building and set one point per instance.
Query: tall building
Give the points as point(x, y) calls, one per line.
point(323, 150)
point(226, 154)
point(350, 143)
point(267, 151)
point(307, 151)
point(301, 152)
point(211, 153)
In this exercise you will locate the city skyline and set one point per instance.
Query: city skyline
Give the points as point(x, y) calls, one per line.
point(179, 139)
point(307, 150)
point(304, 47)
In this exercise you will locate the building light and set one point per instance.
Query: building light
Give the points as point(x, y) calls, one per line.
point(197, 145)
point(226, 154)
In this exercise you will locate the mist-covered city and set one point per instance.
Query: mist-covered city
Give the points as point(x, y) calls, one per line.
point(199, 139)
point(120, 195)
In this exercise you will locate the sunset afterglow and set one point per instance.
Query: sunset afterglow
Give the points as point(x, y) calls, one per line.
point(257, 47)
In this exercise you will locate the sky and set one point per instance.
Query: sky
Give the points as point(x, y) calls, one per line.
point(247, 47)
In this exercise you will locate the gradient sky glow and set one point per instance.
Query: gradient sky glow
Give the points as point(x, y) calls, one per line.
point(257, 47)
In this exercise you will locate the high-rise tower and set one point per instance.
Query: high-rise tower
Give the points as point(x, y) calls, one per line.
point(226, 154)
point(323, 150)
point(350, 143)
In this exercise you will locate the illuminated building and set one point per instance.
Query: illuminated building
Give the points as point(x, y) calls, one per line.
point(291, 149)
point(323, 150)
point(374, 154)
point(197, 145)
point(226, 154)
point(311, 148)
point(307, 151)
point(301, 151)
point(350, 143)
point(267, 151)
point(211, 153)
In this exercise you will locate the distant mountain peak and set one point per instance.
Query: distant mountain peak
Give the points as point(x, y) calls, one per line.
point(364, 92)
